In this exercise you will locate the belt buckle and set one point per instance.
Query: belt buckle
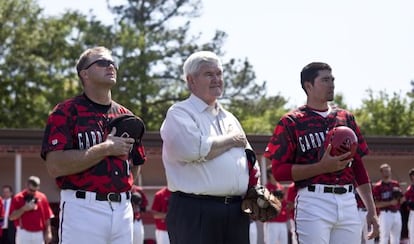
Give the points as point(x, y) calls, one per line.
point(80, 194)
point(340, 190)
point(227, 199)
point(113, 197)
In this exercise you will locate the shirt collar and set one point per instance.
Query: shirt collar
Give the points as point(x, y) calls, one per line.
point(201, 106)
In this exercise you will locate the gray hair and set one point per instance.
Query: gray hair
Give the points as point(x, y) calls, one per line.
point(193, 63)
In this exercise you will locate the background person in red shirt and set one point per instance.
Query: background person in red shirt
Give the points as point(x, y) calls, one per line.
point(31, 213)
point(275, 230)
point(139, 205)
point(9, 230)
point(409, 196)
point(290, 208)
point(389, 206)
point(159, 211)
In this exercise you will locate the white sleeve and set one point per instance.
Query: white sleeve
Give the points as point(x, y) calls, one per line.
point(183, 140)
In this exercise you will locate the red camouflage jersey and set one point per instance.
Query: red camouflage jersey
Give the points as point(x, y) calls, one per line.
point(160, 204)
point(33, 220)
point(298, 138)
point(409, 196)
point(144, 202)
point(382, 191)
point(79, 123)
point(283, 214)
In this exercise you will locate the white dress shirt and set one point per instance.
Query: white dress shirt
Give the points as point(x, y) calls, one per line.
point(187, 133)
point(6, 204)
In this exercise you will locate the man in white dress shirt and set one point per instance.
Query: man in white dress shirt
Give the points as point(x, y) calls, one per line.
point(205, 161)
point(9, 230)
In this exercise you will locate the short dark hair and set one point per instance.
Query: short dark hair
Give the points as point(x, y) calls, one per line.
point(311, 71)
point(411, 172)
point(8, 186)
point(85, 56)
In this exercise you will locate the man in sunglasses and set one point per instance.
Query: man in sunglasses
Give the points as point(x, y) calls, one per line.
point(93, 167)
point(31, 212)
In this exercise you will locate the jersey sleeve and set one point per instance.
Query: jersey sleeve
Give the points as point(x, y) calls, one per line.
point(138, 154)
point(362, 149)
point(57, 135)
point(281, 151)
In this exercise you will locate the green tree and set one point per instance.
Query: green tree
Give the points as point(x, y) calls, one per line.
point(339, 101)
point(259, 116)
point(152, 41)
point(36, 62)
point(149, 39)
point(386, 115)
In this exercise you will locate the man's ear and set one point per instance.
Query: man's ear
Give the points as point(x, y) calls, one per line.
point(190, 82)
point(190, 79)
point(83, 74)
point(308, 86)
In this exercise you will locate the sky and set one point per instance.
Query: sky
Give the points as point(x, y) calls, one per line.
point(369, 44)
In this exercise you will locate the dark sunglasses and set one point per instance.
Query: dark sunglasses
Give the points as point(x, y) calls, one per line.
point(103, 63)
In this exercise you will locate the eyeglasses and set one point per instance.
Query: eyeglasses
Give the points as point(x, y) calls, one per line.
point(103, 63)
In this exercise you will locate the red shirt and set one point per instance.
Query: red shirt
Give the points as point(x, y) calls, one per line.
point(409, 194)
point(298, 138)
point(1, 215)
point(283, 215)
point(160, 204)
point(79, 123)
point(290, 198)
point(33, 220)
point(382, 191)
point(144, 202)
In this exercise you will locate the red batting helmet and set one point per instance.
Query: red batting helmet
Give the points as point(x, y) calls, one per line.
point(343, 139)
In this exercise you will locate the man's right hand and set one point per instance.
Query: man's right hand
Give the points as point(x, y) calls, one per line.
point(118, 146)
point(239, 139)
point(29, 206)
point(331, 164)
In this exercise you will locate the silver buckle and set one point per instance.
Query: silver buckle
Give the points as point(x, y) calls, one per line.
point(108, 196)
point(227, 199)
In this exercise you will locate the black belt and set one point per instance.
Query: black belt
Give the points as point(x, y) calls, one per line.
point(222, 199)
point(332, 189)
point(389, 210)
point(362, 209)
point(112, 196)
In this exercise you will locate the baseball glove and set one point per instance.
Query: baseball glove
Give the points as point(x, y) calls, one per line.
point(397, 193)
point(136, 198)
point(260, 204)
point(128, 125)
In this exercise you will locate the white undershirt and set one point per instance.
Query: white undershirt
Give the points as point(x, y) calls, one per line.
point(323, 113)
